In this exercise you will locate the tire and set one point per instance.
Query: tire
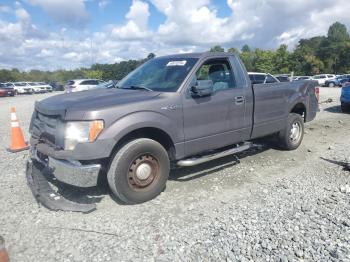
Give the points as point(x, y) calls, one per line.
point(345, 108)
point(288, 140)
point(139, 171)
point(331, 85)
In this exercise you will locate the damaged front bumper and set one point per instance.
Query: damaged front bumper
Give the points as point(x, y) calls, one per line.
point(39, 171)
point(44, 193)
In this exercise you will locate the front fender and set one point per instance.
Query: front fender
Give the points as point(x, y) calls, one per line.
point(137, 120)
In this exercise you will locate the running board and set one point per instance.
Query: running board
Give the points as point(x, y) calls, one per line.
point(202, 159)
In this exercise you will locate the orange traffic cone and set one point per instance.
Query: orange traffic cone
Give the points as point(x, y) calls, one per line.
point(17, 139)
point(4, 257)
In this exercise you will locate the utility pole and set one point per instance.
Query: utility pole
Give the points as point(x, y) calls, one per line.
point(92, 59)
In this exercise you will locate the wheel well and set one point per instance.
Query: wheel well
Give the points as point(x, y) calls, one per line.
point(152, 133)
point(299, 109)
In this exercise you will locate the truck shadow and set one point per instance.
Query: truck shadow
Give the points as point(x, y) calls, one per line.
point(183, 174)
point(333, 109)
point(344, 164)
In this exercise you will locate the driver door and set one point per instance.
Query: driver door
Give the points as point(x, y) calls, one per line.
point(208, 121)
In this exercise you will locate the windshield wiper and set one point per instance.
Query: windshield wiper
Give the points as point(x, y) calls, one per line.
point(137, 88)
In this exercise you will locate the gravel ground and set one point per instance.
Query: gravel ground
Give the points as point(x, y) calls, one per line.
point(270, 206)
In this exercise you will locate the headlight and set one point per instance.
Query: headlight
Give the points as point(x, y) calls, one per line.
point(81, 132)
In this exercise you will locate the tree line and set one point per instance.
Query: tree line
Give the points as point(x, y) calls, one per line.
point(320, 54)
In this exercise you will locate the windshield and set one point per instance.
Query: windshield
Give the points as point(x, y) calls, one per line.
point(159, 74)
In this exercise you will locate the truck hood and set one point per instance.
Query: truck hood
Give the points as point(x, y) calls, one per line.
point(91, 100)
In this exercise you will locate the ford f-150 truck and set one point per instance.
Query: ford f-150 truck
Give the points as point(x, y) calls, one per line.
point(182, 109)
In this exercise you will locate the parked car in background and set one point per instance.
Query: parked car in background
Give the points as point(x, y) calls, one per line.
point(77, 85)
point(36, 88)
point(321, 79)
point(299, 78)
point(344, 81)
point(283, 78)
point(262, 78)
point(6, 90)
point(56, 86)
point(44, 87)
point(335, 82)
point(345, 98)
point(21, 87)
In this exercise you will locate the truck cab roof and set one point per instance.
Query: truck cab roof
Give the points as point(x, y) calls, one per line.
point(199, 55)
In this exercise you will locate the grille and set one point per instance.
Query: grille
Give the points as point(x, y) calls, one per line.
point(44, 127)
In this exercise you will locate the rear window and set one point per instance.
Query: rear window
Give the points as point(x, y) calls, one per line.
point(270, 79)
point(283, 78)
point(259, 79)
point(70, 82)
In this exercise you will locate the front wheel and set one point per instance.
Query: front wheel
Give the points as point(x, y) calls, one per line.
point(139, 171)
point(331, 85)
point(290, 138)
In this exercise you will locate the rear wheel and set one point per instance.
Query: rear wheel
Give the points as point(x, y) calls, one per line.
point(139, 171)
point(331, 85)
point(290, 138)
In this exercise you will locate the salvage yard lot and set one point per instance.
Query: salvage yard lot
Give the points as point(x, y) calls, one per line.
point(273, 204)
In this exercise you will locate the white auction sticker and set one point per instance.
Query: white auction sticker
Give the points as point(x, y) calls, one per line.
point(177, 63)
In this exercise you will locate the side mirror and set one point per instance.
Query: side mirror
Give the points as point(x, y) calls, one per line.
point(203, 88)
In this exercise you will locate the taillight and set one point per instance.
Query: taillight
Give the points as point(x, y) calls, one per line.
point(317, 92)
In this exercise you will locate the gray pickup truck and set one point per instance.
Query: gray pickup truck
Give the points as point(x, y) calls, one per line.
point(182, 109)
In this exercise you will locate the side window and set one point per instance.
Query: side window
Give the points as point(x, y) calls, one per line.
point(85, 83)
point(270, 79)
point(251, 77)
point(219, 71)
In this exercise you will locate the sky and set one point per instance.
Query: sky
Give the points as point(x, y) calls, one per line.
point(66, 34)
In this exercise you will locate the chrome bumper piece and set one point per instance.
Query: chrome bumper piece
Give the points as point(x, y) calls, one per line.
point(70, 172)
point(74, 173)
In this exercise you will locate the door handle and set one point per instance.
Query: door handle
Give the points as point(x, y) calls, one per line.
point(239, 100)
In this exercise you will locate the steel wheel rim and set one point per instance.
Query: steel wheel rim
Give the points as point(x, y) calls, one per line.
point(143, 172)
point(295, 132)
